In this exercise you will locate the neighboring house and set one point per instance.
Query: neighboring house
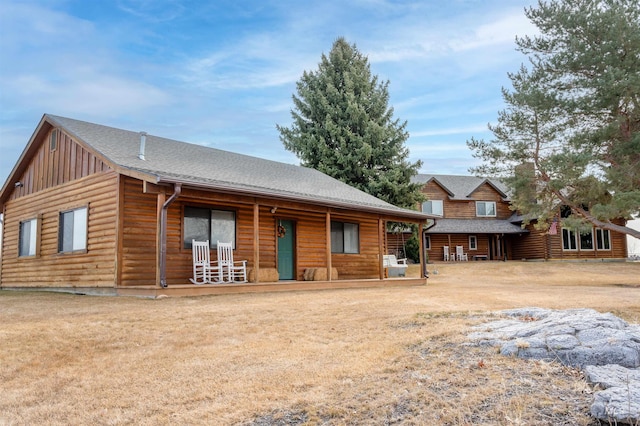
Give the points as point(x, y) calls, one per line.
point(475, 213)
point(470, 212)
point(108, 210)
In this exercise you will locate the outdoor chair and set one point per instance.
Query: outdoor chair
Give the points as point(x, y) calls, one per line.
point(460, 254)
point(447, 256)
point(230, 271)
point(202, 267)
point(395, 267)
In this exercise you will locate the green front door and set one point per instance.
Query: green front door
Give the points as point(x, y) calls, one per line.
point(286, 249)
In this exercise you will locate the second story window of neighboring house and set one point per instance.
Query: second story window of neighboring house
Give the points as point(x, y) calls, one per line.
point(485, 208)
point(433, 207)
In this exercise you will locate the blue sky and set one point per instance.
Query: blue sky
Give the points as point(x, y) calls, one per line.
point(221, 73)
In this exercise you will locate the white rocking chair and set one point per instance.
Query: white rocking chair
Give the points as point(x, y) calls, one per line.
point(201, 262)
point(447, 256)
point(230, 271)
point(460, 255)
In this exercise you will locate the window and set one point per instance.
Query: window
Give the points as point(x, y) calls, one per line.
point(53, 140)
point(473, 242)
point(203, 224)
point(345, 237)
point(586, 240)
point(28, 238)
point(433, 207)
point(603, 239)
point(427, 242)
point(72, 231)
point(569, 240)
point(485, 208)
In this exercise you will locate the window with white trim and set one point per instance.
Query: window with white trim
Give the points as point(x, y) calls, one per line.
point(72, 230)
point(569, 240)
point(485, 208)
point(473, 242)
point(28, 238)
point(586, 240)
point(345, 237)
point(603, 239)
point(202, 224)
point(433, 207)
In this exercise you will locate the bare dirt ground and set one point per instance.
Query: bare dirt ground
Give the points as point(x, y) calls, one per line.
point(338, 357)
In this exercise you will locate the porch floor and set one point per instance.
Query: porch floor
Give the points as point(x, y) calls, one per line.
point(216, 289)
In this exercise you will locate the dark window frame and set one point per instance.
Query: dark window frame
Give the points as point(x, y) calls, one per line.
point(31, 248)
point(339, 241)
point(189, 231)
point(73, 229)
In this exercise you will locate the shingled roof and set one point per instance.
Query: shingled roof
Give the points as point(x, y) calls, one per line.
point(170, 161)
point(461, 187)
point(475, 226)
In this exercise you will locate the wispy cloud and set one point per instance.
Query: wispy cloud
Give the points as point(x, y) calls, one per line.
point(449, 131)
point(153, 10)
point(222, 73)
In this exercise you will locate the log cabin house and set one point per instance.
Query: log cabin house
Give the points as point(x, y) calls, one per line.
point(95, 209)
point(475, 213)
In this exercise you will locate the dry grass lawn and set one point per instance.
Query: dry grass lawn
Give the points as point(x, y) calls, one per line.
point(336, 357)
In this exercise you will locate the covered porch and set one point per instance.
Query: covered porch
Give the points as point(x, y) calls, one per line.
point(480, 239)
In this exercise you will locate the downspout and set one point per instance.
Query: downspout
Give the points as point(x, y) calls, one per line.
point(177, 189)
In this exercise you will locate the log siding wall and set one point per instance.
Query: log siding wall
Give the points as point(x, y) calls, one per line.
point(94, 267)
point(140, 247)
point(56, 180)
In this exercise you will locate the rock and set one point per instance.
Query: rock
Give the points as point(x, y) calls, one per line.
point(575, 337)
point(620, 401)
point(605, 346)
point(612, 375)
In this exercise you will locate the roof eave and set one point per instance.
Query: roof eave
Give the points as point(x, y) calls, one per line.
point(443, 186)
point(400, 213)
point(491, 184)
point(19, 165)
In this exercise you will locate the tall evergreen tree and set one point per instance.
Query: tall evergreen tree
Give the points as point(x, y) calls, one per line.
point(570, 133)
point(343, 126)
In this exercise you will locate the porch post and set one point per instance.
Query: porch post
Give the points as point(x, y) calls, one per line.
point(423, 258)
point(256, 242)
point(381, 245)
point(177, 190)
point(328, 242)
